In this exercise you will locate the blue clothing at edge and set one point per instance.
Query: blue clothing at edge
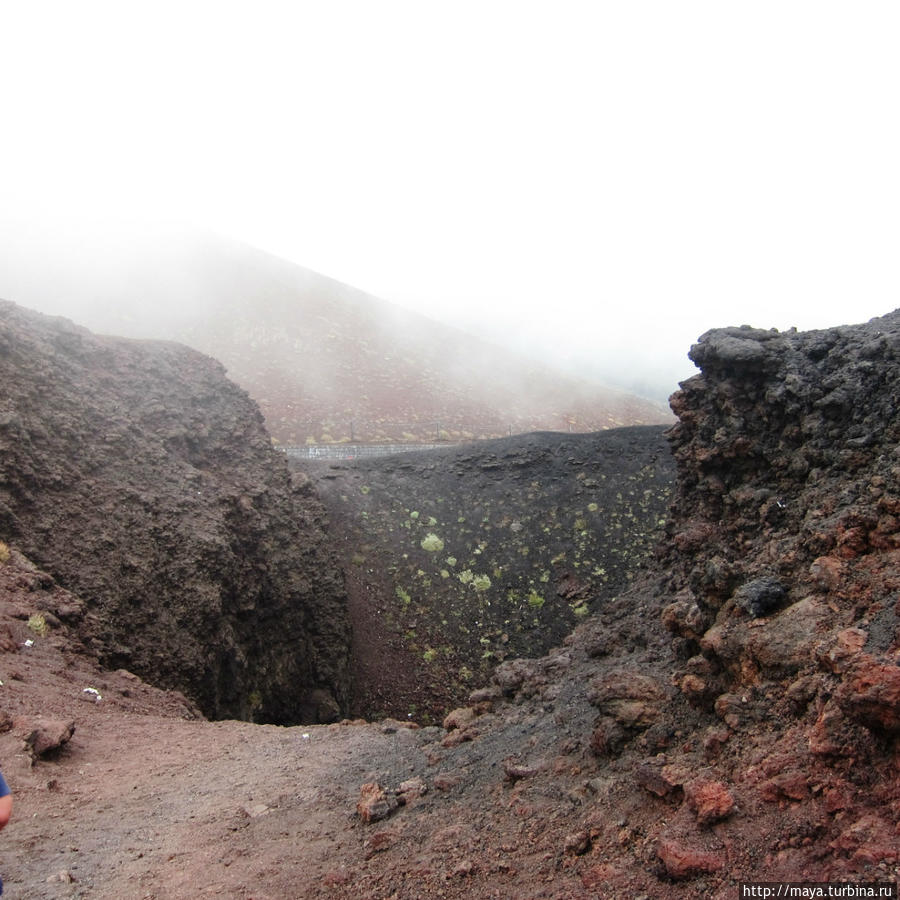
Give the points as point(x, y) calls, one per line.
point(4, 791)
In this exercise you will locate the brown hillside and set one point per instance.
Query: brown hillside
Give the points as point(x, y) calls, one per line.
point(324, 361)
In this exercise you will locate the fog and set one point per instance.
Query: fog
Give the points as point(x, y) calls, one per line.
point(325, 361)
point(592, 184)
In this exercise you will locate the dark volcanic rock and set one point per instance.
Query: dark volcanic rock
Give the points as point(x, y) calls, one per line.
point(766, 437)
point(760, 595)
point(144, 481)
point(788, 507)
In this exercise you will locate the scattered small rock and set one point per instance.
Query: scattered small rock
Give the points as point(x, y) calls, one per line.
point(710, 800)
point(460, 718)
point(871, 695)
point(446, 782)
point(485, 695)
point(336, 878)
point(510, 676)
point(842, 652)
point(732, 709)
point(8, 643)
point(599, 785)
point(834, 734)
point(826, 572)
point(411, 790)
point(761, 595)
point(658, 778)
point(633, 699)
point(517, 771)
point(465, 869)
point(788, 786)
point(577, 843)
point(682, 863)
point(48, 736)
point(380, 842)
point(696, 689)
point(374, 803)
point(608, 737)
point(788, 640)
point(459, 736)
point(254, 810)
point(714, 740)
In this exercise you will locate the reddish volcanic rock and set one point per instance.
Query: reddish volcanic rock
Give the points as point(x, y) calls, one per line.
point(789, 786)
point(709, 799)
point(870, 694)
point(47, 736)
point(681, 862)
point(374, 804)
point(632, 699)
point(460, 718)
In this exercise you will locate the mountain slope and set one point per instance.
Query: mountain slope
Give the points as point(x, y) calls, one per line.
point(324, 361)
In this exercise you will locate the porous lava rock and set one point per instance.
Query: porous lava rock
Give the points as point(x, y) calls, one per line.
point(374, 803)
point(142, 479)
point(796, 439)
point(787, 508)
point(782, 565)
point(682, 863)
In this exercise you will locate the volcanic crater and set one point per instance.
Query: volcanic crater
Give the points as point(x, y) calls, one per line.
point(724, 711)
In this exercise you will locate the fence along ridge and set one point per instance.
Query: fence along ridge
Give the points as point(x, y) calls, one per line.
point(356, 451)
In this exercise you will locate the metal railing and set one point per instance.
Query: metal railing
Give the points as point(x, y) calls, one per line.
point(358, 451)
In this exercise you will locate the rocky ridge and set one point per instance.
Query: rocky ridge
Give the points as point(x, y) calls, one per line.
point(143, 480)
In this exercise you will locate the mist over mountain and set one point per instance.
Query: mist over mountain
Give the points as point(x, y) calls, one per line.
point(325, 362)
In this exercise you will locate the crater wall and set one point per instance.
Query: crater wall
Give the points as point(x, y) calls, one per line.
point(144, 481)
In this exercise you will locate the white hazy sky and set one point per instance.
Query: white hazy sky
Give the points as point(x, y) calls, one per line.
point(605, 180)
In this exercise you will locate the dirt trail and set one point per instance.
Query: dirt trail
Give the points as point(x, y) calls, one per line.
point(147, 799)
point(141, 806)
